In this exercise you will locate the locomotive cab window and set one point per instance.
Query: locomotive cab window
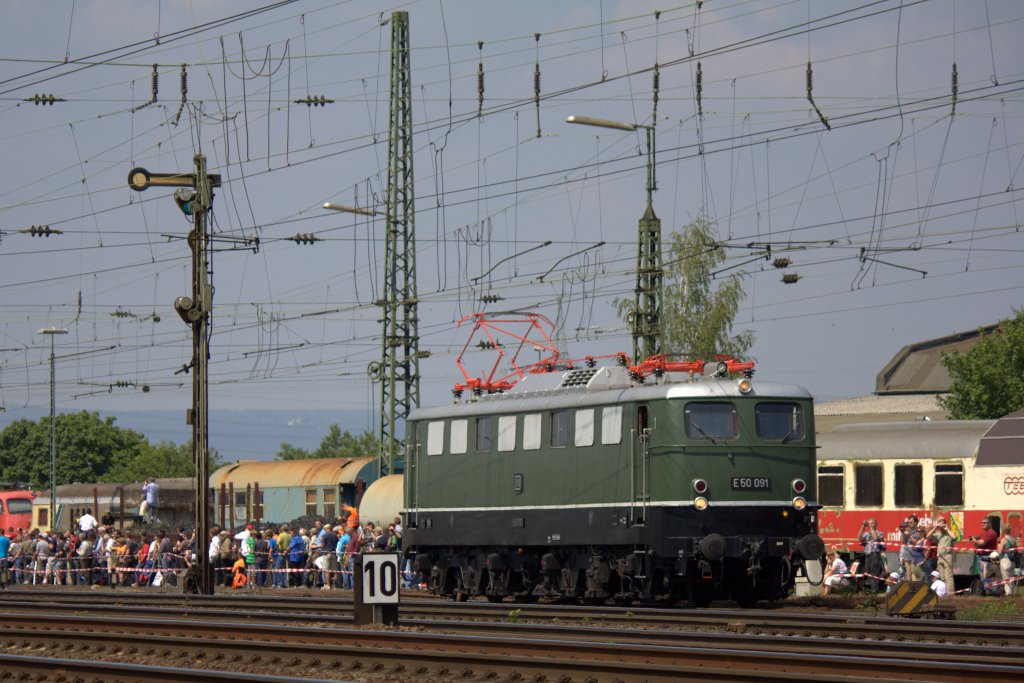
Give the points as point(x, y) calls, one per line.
point(711, 421)
point(868, 480)
point(779, 421)
point(907, 489)
point(484, 434)
point(559, 428)
point(949, 485)
point(18, 506)
point(831, 484)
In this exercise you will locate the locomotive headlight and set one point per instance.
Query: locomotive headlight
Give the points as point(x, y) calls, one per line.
point(745, 385)
point(799, 486)
point(700, 486)
point(799, 503)
point(701, 503)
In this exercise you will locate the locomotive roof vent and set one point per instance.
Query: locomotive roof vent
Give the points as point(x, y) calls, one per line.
point(577, 378)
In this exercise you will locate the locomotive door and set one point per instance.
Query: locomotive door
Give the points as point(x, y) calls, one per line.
point(639, 450)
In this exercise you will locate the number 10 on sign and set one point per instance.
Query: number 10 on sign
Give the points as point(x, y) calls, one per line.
point(380, 579)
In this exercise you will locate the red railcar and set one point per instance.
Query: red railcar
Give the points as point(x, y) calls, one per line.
point(15, 507)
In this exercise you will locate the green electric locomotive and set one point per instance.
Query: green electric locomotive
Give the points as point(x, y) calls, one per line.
point(652, 483)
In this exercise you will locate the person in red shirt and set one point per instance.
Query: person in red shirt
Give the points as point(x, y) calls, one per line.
point(986, 543)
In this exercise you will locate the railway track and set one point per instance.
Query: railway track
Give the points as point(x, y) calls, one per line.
point(228, 634)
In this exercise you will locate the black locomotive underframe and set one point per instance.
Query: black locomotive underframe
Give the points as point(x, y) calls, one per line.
point(653, 553)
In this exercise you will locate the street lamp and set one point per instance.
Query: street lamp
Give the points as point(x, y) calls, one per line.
point(53, 433)
point(647, 304)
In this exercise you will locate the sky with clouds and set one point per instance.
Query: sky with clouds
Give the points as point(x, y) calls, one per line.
point(899, 217)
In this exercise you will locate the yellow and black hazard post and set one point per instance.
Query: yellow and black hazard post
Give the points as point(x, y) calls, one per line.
point(910, 598)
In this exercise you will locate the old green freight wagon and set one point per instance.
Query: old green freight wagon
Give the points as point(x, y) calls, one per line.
point(599, 482)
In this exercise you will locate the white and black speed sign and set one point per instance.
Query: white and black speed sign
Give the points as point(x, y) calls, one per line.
point(381, 578)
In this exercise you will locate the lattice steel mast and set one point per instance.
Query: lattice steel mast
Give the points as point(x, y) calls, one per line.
point(400, 381)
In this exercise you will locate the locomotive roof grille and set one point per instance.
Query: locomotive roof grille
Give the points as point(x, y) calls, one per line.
point(577, 378)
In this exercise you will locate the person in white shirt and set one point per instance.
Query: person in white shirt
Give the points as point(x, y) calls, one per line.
point(87, 522)
point(835, 575)
point(938, 585)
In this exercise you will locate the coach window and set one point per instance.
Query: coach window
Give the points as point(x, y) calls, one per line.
point(311, 502)
point(779, 421)
point(531, 432)
point(559, 428)
point(584, 427)
point(907, 491)
point(611, 425)
point(868, 479)
point(831, 485)
point(484, 434)
point(949, 485)
point(240, 499)
point(711, 421)
point(507, 433)
point(458, 438)
point(330, 500)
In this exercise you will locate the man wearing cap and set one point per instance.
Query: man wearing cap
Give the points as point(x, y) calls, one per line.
point(938, 585)
point(943, 541)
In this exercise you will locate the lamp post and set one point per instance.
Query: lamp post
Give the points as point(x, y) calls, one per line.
point(51, 331)
point(647, 304)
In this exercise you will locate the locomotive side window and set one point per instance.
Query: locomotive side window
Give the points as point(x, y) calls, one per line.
point(949, 485)
point(779, 421)
point(711, 421)
point(560, 428)
point(611, 425)
point(435, 438)
point(531, 432)
point(458, 438)
point(507, 433)
point(585, 427)
point(484, 434)
point(907, 488)
point(831, 484)
point(868, 480)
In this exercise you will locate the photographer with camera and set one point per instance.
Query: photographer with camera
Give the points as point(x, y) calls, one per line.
point(908, 539)
point(986, 544)
point(873, 541)
point(943, 541)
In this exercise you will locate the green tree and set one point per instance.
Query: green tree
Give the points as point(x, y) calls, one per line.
point(988, 380)
point(336, 444)
point(87, 445)
point(696, 316)
point(162, 460)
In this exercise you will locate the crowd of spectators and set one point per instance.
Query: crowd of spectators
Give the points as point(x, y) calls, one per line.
point(257, 556)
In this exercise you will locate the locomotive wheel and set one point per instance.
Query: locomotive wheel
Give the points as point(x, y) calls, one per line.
point(460, 596)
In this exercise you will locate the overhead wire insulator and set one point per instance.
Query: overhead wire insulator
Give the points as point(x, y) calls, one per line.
point(955, 86)
point(782, 262)
point(304, 238)
point(480, 80)
point(656, 86)
point(314, 101)
point(790, 278)
point(154, 87)
point(44, 100)
point(491, 298)
point(810, 98)
point(536, 82)
point(41, 231)
point(184, 95)
point(700, 90)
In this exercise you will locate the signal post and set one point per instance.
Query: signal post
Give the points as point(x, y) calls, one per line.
point(194, 197)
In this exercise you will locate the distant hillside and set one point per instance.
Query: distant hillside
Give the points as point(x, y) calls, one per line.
point(236, 434)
